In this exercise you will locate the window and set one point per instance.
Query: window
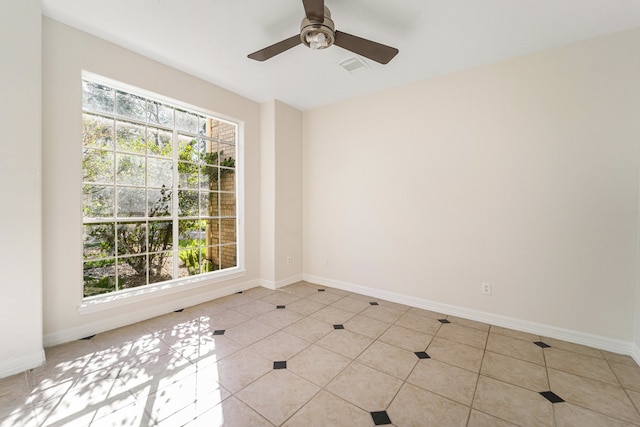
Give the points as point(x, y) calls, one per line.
point(159, 191)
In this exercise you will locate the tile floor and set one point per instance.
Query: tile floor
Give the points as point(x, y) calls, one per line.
point(311, 356)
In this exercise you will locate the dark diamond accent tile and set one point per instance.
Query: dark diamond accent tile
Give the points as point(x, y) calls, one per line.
point(321, 290)
point(239, 292)
point(422, 355)
point(88, 338)
point(443, 321)
point(219, 332)
point(179, 311)
point(279, 307)
point(374, 303)
point(380, 418)
point(551, 397)
point(338, 326)
point(280, 364)
point(542, 344)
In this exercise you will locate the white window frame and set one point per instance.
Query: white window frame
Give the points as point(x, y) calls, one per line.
point(133, 295)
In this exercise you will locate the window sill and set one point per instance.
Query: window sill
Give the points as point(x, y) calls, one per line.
point(130, 296)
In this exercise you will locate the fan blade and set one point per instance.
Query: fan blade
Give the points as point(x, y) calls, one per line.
point(275, 49)
point(314, 9)
point(369, 49)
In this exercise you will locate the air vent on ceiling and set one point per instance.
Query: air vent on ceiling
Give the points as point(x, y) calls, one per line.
point(354, 64)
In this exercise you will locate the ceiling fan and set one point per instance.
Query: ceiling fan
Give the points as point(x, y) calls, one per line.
point(317, 31)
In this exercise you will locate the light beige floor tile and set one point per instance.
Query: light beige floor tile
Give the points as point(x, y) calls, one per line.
point(325, 409)
point(629, 376)
point(280, 318)
point(424, 324)
point(205, 309)
point(414, 406)
point(469, 323)
point(427, 313)
point(210, 347)
point(512, 403)
point(338, 291)
point(480, 419)
point(453, 353)
point(344, 342)
point(280, 298)
point(568, 415)
point(514, 347)
point(620, 359)
point(255, 308)
point(178, 320)
point(511, 333)
point(300, 289)
point(240, 369)
point(354, 305)
point(72, 354)
point(249, 332)
point(389, 359)
point(234, 300)
point(305, 307)
point(333, 315)
point(515, 371)
point(278, 395)
point(407, 339)
point(317, 364)
point(14, 393)
point(365, 387)
point(223, 320)
point(635, 398)
point(380, 312)
point(279, 346)
point(23, 418)
point(600, 397)
point(324, 297)
point(393, 305)
point(309, 329)
point(446, 380)
point(366, 326)
point(568, 346)
point(230, 413)
point(595, 368)
point(259, 292)
point(463, 335)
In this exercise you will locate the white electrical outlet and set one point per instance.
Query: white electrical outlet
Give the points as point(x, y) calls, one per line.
point(486, 288)
point(288, 260)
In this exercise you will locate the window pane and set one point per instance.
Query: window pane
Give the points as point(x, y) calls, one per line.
point(187, 149)
point(97, 131)
point(208, 204)
point(186, 121)
point(97, 166)
point(188, 203)
point(228, 230)
point(189, 233)
point(189, 264)
point(99, 240)
point(160, 236)
point(227, 204)
point(97, 97)
point(131, 202)
point(130, 137)
point(99, 277)
point(188, 175)
point(160, 267)
point(208, 127)
point(159, 142)
point(227, 179)
point(212, 231)
point(159, 172)
point(209, 259)
point(229, 257)
point(228, 155)
point(132, 238)
point(132, 272)
point(130, 169)
point(160, 114)
point(209, 178)
point(131, 106)
point(159, 202)
point(208, 151)
point(228, 132)
point(97, 201)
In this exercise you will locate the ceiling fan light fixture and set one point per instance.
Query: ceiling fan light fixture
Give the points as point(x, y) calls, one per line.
point(317, 41)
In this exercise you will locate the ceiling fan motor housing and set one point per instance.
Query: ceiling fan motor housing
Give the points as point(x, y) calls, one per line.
point(318, 35)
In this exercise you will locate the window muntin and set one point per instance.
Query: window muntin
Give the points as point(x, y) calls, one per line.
point(159, 191)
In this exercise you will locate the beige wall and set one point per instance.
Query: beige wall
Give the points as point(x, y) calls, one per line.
point(66, 52)
point(21, 201)
point(522, 173)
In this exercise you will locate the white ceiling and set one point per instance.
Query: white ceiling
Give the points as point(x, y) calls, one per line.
point(212, 38)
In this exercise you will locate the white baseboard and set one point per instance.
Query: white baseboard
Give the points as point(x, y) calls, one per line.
point(590, 340)
point(134, 316)
point(21, 364)
point(270, 284)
